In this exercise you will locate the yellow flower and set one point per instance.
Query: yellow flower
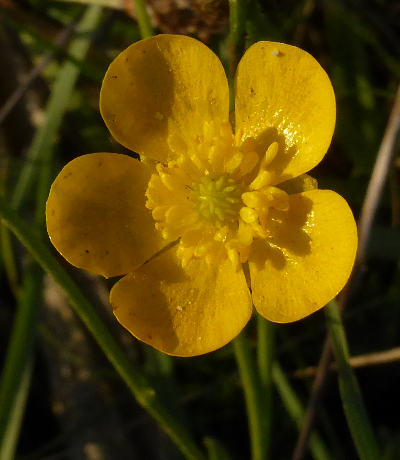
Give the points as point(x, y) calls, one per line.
point(210, 221)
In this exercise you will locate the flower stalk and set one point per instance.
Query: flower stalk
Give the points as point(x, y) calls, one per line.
point(265, 357)
point(237, 27)
point(253, 396)
point(143, 19)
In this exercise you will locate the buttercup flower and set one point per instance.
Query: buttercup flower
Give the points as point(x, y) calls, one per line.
point(213, 219)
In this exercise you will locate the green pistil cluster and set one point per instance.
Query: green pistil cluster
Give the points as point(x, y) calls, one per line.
point(218, 198)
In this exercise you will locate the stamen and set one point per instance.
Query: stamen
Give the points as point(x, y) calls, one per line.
point(203, 196)
point(262, 179)
point(277, 197)
point(271, 153)
point(254, 199)
point(249, 215)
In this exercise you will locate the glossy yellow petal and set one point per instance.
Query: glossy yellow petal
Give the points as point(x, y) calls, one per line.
point(159, 92)
point(183, 311)
point(96, 217)
point(284, 95)
point(309, 258)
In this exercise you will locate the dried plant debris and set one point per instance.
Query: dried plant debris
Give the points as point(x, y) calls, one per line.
point(200, 18)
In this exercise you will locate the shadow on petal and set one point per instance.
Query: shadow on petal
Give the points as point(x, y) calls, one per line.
point(284, 156)
point(288, 235)
point(137, 99)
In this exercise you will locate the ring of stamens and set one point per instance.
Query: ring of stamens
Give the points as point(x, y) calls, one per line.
point(213, 198)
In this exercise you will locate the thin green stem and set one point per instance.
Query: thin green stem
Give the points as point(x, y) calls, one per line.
point(265, 356)
point(237, 28)
point(143, 19)
point(136, 382)
point(353, 404)
point(7, 259)
point(17, 368)
point(7, 254)
point(296, 411)
point(159, 368)
point(13, 428)
point(215, 450)
point(253, 396)
point(252, 387)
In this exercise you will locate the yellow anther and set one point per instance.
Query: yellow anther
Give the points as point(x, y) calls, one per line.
point(259, 231)
point(216, 158)
point(201, 250)
point(200, 165)
point(158, 213)
point(221, 234)
point(254, 199)
point(262, 217)
point(167, 179)
point(248, 215)
point(263, 178)
point(179, 216)
point(270, 154)
point(185, 254)
point(277, 197)
point(245, 233)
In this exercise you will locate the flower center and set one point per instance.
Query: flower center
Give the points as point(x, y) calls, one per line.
point(218, 199)
point(214, 197)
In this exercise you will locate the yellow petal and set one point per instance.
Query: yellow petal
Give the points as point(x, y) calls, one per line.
point(183, 311)
point(96, 217)
point(283, 95)
point(310, 258)
point(158, 93)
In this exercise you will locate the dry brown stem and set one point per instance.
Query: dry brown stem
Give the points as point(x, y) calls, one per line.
point(372, 198)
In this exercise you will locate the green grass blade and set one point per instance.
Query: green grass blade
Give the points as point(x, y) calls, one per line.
point(353, 405)
point(17, 369)
point(17, 412)
point(296, 411)
point(215, 450)
point(136, 382)
point(8, 259)
point(253, 396)
point(143, 19)
point(45, 138)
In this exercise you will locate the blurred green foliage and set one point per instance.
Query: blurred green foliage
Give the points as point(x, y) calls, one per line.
point(77, 406)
